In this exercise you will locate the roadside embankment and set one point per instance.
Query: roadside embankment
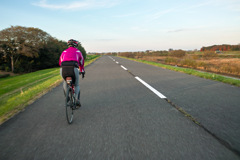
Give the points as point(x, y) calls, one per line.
point(17, 92)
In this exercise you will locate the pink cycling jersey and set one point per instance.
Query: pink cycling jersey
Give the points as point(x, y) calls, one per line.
point(72, 54)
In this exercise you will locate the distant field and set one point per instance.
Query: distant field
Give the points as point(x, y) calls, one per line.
point(226, 63)
point(209, 65)
point(206, 75)
point(18, 91)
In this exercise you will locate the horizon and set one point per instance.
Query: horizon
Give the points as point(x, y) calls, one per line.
point(198, 50)
point(130, 26)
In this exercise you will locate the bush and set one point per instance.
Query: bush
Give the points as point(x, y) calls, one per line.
point(189, 62)
point(177, 53)
point(7, 69)
point(231, 68)
point(203, 64)
point(160, 53)
point(4, 75)
point(209, 54)
point(171, 60)
point(128, 54)
point(2, 67)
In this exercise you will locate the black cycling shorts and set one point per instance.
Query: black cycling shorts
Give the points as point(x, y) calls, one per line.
point(68, 69)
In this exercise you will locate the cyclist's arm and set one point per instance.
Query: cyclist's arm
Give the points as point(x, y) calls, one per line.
point(81, 62)
point(60, 60)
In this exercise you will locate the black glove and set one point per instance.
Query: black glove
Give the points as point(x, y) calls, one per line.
point(83, 74)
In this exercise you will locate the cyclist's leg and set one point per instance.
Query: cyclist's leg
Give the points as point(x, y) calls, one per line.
point(77, 87)
point(64, 83)
point(64, 87)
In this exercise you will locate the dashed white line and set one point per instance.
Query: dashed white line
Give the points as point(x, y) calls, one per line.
point(151, 88)
point(111, 58)
point(124, 67)
point(144, 83)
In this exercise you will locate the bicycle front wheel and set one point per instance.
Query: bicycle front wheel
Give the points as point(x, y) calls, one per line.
point(69, 105)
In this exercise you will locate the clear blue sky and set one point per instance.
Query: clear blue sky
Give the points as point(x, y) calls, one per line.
point(129, 25)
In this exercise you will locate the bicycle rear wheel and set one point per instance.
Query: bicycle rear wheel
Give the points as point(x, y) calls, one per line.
point(69, 105)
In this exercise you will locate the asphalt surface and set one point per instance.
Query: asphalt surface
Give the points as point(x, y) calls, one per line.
point(122, 119)
point(214, 104)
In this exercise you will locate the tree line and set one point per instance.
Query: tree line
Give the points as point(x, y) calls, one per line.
point(27, 49)
point(173, 53)
point(224, 47)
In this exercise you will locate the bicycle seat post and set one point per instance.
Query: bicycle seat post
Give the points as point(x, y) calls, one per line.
point(69, 81)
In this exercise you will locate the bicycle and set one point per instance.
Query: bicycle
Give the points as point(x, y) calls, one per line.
point(70, 102)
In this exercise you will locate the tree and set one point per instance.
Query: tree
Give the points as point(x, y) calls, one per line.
point(27, 49)
point(82, 50)
point(223, 47)
point(18, 41)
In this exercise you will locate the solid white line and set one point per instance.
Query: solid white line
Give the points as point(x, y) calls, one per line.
point(124, 67)
point(151, 88)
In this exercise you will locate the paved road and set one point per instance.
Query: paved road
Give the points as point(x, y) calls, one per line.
point(120, 119)
point(214, 104)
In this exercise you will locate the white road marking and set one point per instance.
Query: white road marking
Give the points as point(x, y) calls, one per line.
point(151, 88)
point(111, 58)
point(144, 83)
point(124, 67)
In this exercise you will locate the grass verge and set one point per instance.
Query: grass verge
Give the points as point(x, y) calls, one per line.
point(206, 75)
point(19, 91)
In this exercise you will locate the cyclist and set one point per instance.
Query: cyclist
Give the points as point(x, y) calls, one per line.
point(72, 63)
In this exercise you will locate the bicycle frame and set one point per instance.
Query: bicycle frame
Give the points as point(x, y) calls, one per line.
point(70, 84)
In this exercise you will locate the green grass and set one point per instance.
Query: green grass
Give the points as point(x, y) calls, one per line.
point(19, 91)
point(12, 104)
point(91, 57)
point(12, 83)
point(205, 75)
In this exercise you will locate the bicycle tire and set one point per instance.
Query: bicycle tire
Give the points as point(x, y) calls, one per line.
point(69, 105)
